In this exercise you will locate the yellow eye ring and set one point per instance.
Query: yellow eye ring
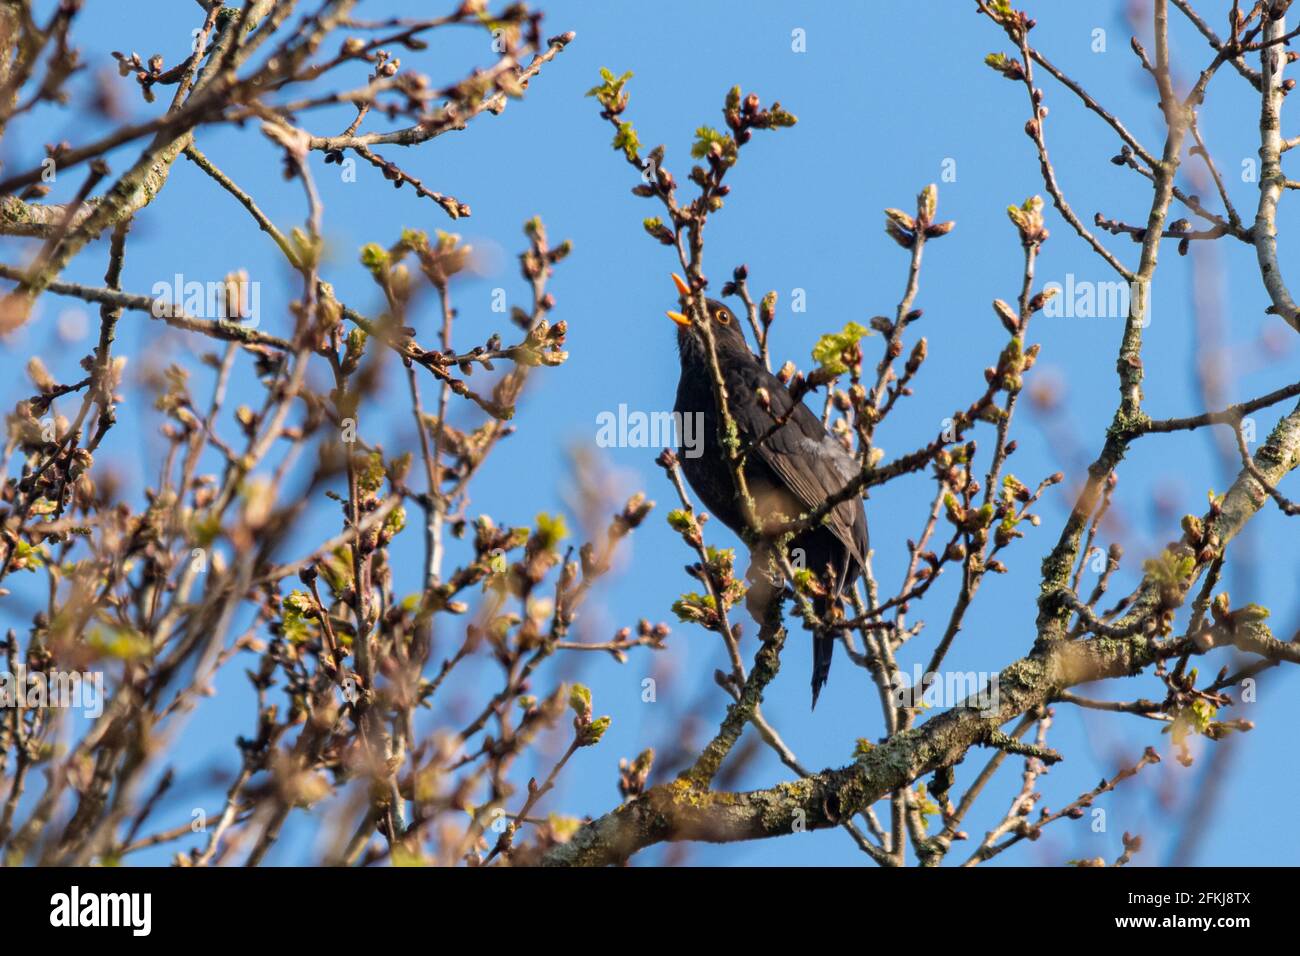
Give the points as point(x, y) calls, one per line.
point(721, 317)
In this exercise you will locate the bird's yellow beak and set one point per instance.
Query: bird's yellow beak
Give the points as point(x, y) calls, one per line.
point(685, 291)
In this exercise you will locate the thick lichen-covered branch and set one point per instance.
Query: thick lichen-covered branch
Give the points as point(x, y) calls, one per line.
point(681, 811)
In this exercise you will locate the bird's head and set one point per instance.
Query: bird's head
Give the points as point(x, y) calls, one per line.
point(727, 334)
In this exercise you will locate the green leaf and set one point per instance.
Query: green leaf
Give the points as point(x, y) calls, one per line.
point(830, 348)
point(626, 139)
point(679, 519)
point(580, 700)
point(592, 733)
point(706, 136)
point(609, 92)
point(551, 530)
point(370, 476)
point(375, 258)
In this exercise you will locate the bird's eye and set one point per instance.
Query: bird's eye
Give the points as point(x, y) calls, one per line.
point(721, 317)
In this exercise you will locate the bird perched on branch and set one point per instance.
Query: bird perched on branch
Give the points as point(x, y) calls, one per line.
point(791, 471)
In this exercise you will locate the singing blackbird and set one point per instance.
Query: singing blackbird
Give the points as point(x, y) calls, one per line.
point(793, 471)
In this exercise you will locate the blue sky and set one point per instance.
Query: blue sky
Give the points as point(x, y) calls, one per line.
point(888, 97)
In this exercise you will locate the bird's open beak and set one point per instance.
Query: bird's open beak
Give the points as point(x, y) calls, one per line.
point(685, 291)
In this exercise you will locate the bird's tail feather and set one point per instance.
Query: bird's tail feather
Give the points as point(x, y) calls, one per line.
point(823, 649)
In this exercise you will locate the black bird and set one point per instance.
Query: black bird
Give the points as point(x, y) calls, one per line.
point(793, 471)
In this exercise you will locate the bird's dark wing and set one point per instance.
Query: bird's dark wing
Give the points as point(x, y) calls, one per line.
point(811, 463)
